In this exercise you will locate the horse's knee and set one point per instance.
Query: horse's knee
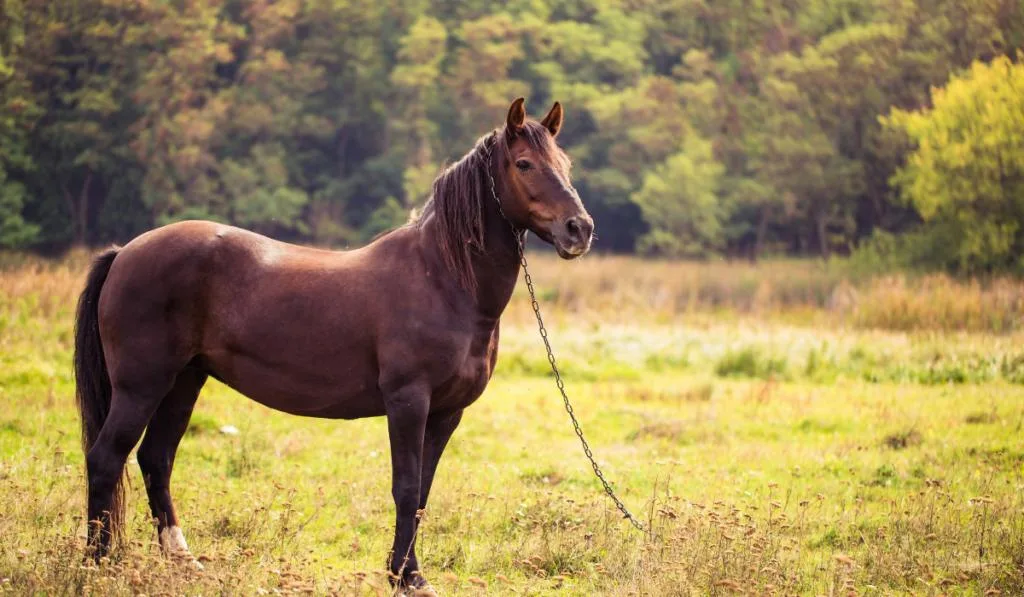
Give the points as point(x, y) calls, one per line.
point(103, 469)
point(407, 494)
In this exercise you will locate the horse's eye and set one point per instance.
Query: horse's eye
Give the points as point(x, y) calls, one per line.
point(523, 165)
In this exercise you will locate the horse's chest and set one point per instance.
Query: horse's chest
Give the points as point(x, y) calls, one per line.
point(472, 375)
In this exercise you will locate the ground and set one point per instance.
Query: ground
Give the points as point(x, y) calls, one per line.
point(792, 452)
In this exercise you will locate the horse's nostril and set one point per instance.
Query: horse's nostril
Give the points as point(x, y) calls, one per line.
point(579, 229)
point(573, 227)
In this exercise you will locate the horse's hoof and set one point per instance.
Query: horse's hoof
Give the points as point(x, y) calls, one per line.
point(414, 585)
point(188, 560)
point(172, 542)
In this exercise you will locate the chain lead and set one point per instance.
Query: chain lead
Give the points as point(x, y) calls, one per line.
point(520, 247)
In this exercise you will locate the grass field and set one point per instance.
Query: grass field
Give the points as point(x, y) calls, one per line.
point(784, 429)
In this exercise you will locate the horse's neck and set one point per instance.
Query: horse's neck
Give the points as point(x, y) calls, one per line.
point(496, 268)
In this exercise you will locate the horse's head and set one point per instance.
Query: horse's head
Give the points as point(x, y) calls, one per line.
point(539, 195)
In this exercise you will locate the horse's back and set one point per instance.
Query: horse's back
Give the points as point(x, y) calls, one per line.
point(183, 256)
point(195, 239)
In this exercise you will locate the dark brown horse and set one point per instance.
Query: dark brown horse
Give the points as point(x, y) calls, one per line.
point(406, 327)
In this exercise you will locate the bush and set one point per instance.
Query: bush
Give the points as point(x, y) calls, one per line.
point(966, 176)
point(750, 361)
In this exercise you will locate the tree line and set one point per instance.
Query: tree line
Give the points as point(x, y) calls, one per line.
point(698, 128)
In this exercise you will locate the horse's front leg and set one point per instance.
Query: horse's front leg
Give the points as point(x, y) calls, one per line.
point(407, 410)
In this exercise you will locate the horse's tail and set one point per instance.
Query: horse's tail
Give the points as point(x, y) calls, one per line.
point(91, 378)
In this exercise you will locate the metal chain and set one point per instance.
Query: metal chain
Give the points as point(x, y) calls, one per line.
point(521, 248)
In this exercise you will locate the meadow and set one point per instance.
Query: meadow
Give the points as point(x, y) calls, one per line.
point(792, 427)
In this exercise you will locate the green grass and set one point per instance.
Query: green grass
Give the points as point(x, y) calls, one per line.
point(768, 456)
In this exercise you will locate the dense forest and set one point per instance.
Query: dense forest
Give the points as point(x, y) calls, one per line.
point(697, 127)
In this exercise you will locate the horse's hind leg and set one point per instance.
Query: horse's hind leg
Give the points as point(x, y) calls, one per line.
point(130, 411)
point(156, 456)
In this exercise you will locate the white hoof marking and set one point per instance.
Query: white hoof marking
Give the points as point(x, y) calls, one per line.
point(172, 541)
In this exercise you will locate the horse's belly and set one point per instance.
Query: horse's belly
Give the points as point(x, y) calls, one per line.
point(333, 393)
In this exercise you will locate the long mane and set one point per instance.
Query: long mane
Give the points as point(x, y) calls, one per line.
point(459, 193)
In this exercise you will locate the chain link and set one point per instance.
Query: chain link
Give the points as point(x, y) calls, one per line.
point(520, 236)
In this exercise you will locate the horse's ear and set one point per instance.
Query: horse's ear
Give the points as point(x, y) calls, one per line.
point(553, 121)
point(516, 116)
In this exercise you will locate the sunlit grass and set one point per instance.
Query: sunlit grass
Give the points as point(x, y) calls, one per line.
point(769, 452)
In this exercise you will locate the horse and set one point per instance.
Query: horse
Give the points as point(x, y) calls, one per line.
point(405, 327)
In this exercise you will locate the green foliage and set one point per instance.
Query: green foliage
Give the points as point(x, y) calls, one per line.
point(384, 218)
point(966, 174)
point(259, 191)
point(17, 112)
point(680, 203)
point(15, 232)
point(697, 128)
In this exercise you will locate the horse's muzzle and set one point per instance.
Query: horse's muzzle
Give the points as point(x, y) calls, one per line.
point(573, 236)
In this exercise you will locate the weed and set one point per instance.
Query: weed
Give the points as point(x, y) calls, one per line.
point(751, 362)
point(981, 418)
point(902, 439)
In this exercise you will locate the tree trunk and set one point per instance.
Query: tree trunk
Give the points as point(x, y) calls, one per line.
point(78, 208)
point(820, 222)
point(82, 224)
point(762, 230)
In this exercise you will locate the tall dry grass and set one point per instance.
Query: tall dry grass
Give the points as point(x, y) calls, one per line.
point(625, 288)
point(938, 302)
